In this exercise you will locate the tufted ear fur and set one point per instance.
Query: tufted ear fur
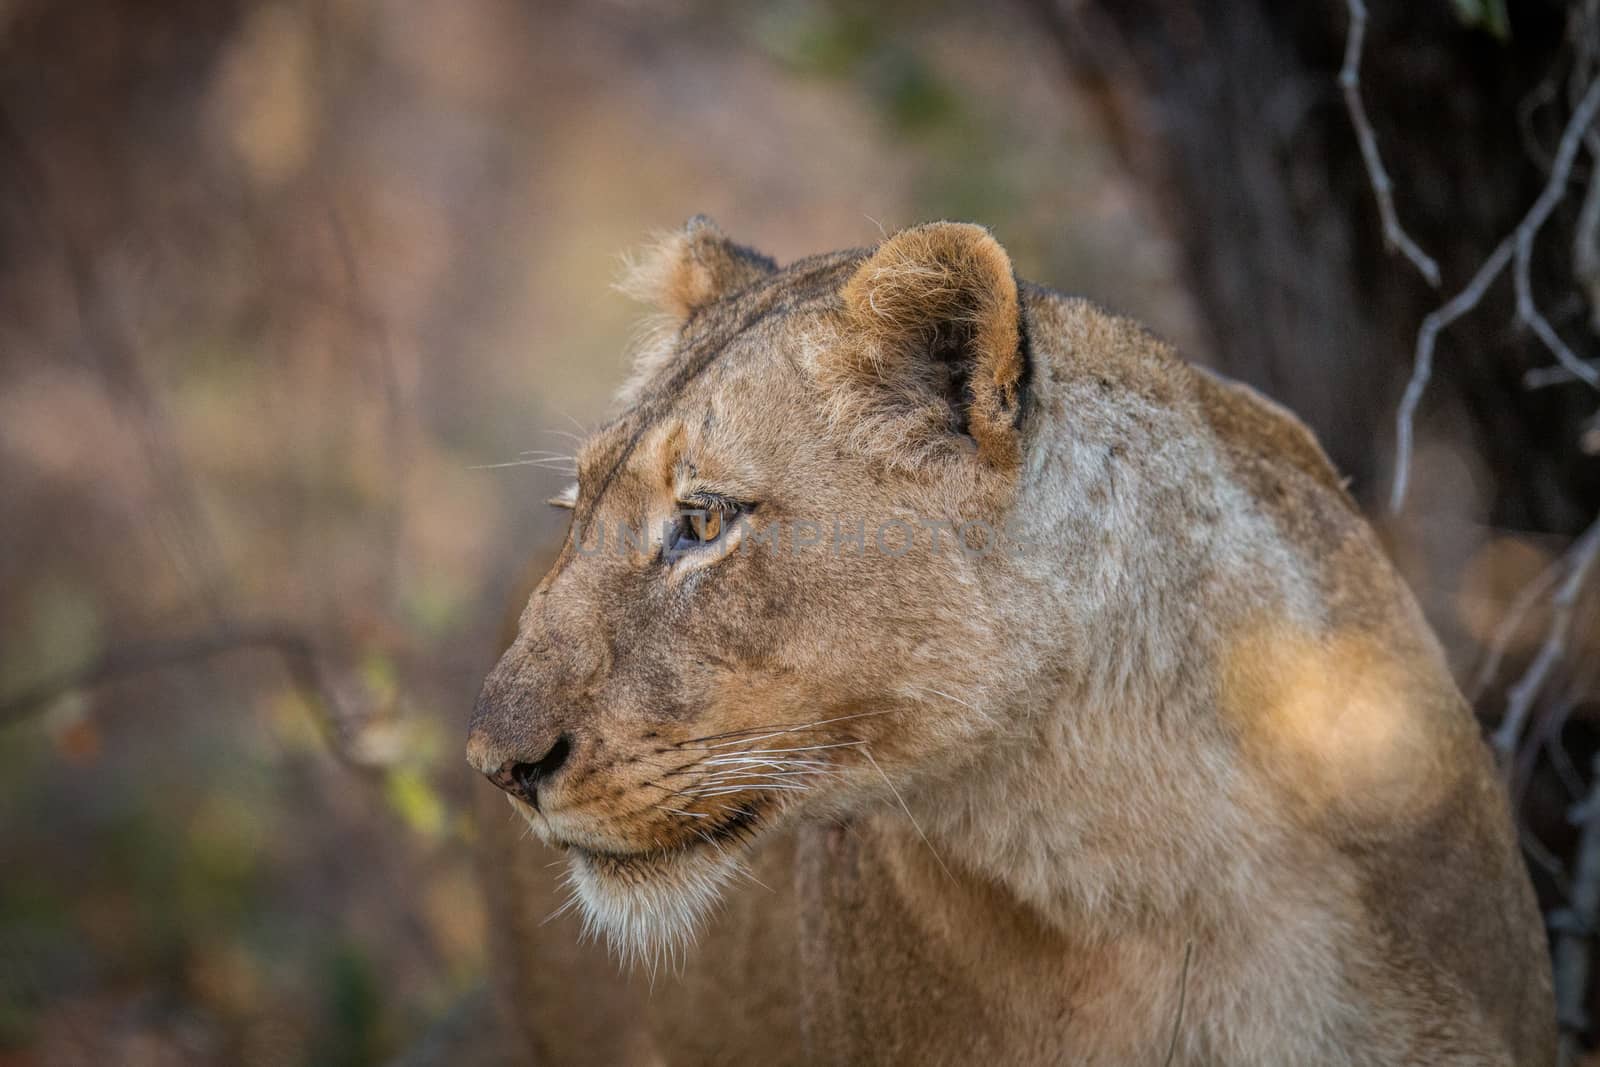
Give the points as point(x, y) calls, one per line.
point(938, 326)
point(684, 271)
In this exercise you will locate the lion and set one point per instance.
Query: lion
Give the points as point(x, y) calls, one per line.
point(940, 670)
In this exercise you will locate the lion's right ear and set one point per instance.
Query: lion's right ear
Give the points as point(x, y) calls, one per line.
point(936, 341)
point(684, 271)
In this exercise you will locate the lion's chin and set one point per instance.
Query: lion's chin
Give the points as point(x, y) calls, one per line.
point(649, 906)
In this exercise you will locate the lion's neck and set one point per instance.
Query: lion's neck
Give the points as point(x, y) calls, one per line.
point(1092, 824)
point(1116, 790)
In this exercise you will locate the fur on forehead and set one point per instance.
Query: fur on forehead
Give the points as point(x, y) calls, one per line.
point(698, 448)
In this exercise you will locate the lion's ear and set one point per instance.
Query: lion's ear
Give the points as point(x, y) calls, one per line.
point(684, 271)
point(937, 321)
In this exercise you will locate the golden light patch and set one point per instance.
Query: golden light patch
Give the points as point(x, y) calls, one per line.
point(1491, 583)
point(1331, 719)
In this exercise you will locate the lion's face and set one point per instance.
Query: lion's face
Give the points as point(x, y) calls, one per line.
point(767, 604)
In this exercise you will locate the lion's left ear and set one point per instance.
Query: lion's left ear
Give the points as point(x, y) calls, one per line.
point(938, 321)
point(684, 271)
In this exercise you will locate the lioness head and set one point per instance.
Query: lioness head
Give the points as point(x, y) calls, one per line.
point(778, 594)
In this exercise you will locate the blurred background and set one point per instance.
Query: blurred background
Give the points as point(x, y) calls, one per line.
point(302, 302)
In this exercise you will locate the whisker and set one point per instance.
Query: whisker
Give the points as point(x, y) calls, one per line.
point(867, 752)
point(760, 737)
point(984, 715)
point(735, 764)
point(545, 464)
point(778, 770)
point(779, 728)
point(569, 435)
point(755, 770)
point(572, 902)
point(745, 872)
point(766, 751)
point(729, 783)
point(728, 790)
point(680, 811)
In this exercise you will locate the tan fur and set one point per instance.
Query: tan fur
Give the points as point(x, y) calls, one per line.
point(982, 807)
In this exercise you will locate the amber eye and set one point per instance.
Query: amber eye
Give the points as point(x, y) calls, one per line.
point(707, 526)
point(697, 528)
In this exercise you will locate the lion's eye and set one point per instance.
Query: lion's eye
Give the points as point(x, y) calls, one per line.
point(695, 529)
point(700, 526)
point(707, 526)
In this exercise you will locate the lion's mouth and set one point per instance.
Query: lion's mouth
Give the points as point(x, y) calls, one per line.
point(733, 829)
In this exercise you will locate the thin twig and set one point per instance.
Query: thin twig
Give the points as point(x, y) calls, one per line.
point(1555, 189)
point(1394, 234)
point(1586, 243)
point(1517, 244)
point(1519, 699)
point(297, 652)
point(111, 344)
point(400, 448)
point(1573, 935)
point(1555, 374)
point(1422, 362)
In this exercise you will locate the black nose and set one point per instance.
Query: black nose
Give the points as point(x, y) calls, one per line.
point(522, 779)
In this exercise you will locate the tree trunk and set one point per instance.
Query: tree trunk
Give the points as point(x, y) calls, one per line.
point(1231, 115)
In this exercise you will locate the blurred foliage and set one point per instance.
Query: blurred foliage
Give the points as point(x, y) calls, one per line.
point(354, 1015)
point(276, 281)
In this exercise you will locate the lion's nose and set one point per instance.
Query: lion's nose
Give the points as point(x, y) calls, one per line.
point(522, 779)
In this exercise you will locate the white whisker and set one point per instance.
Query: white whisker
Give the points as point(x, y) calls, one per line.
point(723, 791)
point(780, 730)
point(778, 771)
point(984, 715)
point(911, 818)
point(734, 766)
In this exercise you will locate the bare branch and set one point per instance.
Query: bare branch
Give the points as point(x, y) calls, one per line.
point(1555, 189)
point(1422, 363)
point(1586, 245)
point(1519, 700)
point(297, 652)
point(1519, 245)
point(1394, 234)
point(196, 553)
point(1555, 374)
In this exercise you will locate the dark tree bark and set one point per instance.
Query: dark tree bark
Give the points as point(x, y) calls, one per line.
point(1231, 115)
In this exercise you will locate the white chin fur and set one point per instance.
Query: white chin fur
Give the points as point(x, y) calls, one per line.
point(649, 913)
